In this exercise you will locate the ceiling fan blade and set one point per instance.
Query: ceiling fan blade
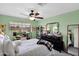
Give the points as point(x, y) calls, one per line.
point(39, 17)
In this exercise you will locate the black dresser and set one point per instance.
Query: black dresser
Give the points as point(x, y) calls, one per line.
point(57, 42)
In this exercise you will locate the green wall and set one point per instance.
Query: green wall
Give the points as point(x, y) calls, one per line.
point(7, 19)
point(64, 20)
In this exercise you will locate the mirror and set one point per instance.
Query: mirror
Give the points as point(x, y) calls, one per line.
point(46, 29)
point(52, 27)
point(73, 39)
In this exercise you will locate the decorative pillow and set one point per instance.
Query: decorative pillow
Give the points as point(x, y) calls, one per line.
point(16, 44)
point(16, 49)
point(46, 43)
point(8, 48)
point(1, 50)
point(1, 44)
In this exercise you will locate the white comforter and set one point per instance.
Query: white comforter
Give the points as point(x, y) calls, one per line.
point(25, 48)
point(30, 48)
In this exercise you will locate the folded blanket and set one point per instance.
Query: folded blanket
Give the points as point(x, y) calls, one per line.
point(46, 43)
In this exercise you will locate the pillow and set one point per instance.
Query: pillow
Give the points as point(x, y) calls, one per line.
point(1, 38)
point(16, 49)
point(1, 50)
point(8, 48)
point(16, 45)
point(1, 44)
point(46, 43)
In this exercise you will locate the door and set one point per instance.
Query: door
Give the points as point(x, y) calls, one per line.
point(73, 39)
point(76, 37)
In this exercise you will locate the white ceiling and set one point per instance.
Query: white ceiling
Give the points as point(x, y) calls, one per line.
point(46, 10)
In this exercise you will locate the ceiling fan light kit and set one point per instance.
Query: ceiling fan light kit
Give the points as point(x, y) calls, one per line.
point(32, 18)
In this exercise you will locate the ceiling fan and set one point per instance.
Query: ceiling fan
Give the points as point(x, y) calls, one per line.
point(33, 15)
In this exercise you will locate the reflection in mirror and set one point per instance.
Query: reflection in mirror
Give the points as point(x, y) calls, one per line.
point(46, 29)
point(72, 36)
point(53, 27)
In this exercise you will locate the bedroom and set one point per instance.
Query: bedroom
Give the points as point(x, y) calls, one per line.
point(58, 17)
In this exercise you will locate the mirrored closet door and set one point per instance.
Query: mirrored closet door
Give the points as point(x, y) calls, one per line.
point(73, 39)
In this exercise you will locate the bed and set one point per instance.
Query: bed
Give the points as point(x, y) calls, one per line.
point(26, 48)
point(30, 48)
